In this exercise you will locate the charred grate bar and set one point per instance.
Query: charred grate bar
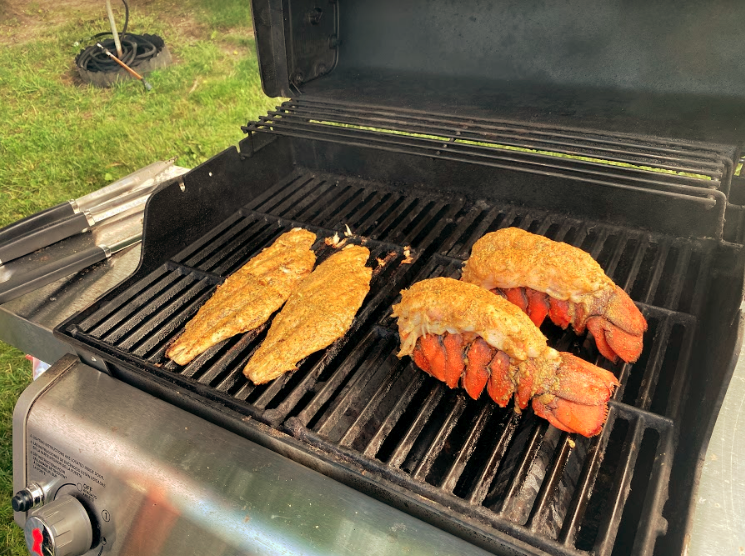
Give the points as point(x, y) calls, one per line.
point(333, 202)
point(561, 495)
point(361, 406)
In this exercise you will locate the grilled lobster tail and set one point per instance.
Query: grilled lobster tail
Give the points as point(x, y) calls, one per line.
point(546, 278)
point(463, 335)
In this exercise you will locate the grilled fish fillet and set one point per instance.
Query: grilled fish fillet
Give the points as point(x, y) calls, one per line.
point(319, 311)
point(249, 296)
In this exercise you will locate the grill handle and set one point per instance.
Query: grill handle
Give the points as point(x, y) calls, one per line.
point(38, 238)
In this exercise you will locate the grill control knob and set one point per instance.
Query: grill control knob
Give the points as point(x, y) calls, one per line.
point(59, 528)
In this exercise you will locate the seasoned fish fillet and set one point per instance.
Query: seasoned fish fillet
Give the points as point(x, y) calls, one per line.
point(249, 296)
point(513, 258)
point(440, 305)
point(319, 311)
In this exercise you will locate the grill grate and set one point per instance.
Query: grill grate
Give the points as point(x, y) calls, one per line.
point(697, 172)
point(356, 402)
point(527, 471)
point(684, 162)
point(637, 261)
point(139, 324)
point(527, 474)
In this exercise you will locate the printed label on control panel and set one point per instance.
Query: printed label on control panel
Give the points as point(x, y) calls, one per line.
point(50, 460)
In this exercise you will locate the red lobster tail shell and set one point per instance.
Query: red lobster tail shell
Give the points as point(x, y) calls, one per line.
point(569, 392)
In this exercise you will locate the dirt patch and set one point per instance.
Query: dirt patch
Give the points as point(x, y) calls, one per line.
point(24, 20)
point(187, 27)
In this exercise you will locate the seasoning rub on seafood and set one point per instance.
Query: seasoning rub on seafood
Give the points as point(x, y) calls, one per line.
point(554, 279)
point(461, 333)
point(318, 312)
point(249, 296)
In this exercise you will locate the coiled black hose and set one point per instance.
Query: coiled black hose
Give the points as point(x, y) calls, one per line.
point(136, 49)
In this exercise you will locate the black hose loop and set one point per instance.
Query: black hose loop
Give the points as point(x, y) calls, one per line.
point(136, 49)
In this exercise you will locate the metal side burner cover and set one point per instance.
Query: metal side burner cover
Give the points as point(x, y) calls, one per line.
point(152, 476)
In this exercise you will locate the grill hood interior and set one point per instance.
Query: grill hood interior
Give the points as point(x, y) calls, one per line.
point(661, 68)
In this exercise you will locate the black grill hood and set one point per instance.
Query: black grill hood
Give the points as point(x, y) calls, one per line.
point(662, 68)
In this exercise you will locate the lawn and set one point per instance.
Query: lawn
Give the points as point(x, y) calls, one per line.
point(60, 139)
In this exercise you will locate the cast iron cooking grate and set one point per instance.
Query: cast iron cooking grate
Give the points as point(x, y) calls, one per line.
point(138, 324)
point(485, 468)
point(512, 471)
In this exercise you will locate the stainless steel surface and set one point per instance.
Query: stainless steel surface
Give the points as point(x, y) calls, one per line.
point(123, 244)
point(115, 206)
point(126, 224)
point(162, 481)
point(122, 186)
point(60, 528)
point(134, 200)
point(719, 522)
point(20, 414)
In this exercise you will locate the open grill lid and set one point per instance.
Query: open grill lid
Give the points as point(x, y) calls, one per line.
point(664, 68)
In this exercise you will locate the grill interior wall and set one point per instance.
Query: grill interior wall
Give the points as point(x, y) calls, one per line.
point(359, 401)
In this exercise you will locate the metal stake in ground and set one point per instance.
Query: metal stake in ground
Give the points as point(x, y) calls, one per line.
point(132, 72)
point(113, 29)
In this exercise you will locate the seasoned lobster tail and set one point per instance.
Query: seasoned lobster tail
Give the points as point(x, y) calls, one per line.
point(569, 392)
point(578, 400)
point(619, 330)
point(464, 336)
point(545, 278)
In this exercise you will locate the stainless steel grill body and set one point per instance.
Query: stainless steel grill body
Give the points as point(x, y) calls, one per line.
point(160, 481)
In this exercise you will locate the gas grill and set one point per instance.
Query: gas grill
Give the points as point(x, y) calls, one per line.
point(383, 143)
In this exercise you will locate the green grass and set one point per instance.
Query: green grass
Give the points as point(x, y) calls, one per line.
point(60, 139)
point(15, 374)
